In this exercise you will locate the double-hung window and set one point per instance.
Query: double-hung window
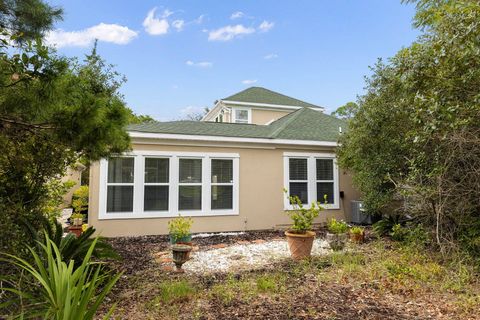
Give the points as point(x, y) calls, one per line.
point(221, 184)
point(147, 184)
point(190, 184)
point(156, 184)
point(120, 184)
point(312, 178)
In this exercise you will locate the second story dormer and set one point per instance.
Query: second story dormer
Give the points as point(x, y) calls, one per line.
point(255, 105)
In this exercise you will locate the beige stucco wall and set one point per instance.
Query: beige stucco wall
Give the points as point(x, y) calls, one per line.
point(260, 188)
point(265, 116)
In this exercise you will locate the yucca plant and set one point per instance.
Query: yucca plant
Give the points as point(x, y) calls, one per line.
point(58, 290)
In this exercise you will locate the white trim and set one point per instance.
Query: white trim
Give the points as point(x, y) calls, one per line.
point(139, 186)
point(279, 106)
point(312, 178)
point(150, 135)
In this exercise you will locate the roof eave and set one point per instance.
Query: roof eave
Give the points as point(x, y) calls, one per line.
point(268, 105)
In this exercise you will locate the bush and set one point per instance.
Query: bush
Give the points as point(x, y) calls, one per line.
point(80, 200)
point(337, 227)
point(61, 291)
point(302, 218)
point(179, 228)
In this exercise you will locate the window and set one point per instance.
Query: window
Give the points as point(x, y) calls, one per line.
point(222, 184)
point(325, 182)
point(156, 185)
point(148, 184)
point(120, 184)
point(312, 177)
point(242, 115)
point(298, 185)
point(190, 184)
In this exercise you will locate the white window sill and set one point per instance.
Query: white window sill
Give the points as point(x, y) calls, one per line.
point(165, 214)
point(307, 206)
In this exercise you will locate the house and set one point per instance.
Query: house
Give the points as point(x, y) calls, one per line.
point(227, 171)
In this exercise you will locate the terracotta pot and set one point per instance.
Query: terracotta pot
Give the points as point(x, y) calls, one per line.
point(357, 237)
point(300, 244)
point(337, 241)
point(76, 230)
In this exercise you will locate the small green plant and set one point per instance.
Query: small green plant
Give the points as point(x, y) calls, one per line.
point(62, 291)
point(357, 230)
point(80, 199)
point(337, 227)
point(175, 291)
point(179, 228)
point(399, 233)
point(266, 284)
point(76, 216)
point(302, 218)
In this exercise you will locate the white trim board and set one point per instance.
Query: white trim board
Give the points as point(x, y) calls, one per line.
point(279, 106)
point(170, 136)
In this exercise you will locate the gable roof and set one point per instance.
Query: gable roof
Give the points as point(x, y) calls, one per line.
point(265, 96)
point(303, 124)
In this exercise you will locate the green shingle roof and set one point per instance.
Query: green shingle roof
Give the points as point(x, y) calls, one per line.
point(303, 124)
point(262, 95)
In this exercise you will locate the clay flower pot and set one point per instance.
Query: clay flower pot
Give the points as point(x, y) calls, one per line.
point(357, 237)
point(300, 244)
point(181, 254)
point(76, 230)
point(337, 241)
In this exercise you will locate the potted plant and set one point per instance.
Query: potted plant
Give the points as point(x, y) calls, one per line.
point(179, 230)
point(76, 219)
point(357, 234)
point(337, 234)
point(300, 236)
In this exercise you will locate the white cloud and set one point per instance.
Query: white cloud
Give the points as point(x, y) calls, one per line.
point(112, 33)
point(237, 15)
point(201, 64)
point(157, 25)
point(229, 32)
point(266, 26)
point(178, 24)
point(270, 56)
point(199, 20)
point(251, 81)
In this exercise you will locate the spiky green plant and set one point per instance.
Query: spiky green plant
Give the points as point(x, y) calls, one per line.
point(58, 289)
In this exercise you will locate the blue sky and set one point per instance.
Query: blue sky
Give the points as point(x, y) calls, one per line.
point(183, 55)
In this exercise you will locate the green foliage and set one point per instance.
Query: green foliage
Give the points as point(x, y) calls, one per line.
point(62, 291)
point(180, 227)
point(337, 227)
point(413, 143)
point(302, 218)
point(80, 199)
point(53, 110)
point(134, 118)
point(347, 111)
point(398, 232)
point(357, 230)
point(171, 291)
point(267, 284)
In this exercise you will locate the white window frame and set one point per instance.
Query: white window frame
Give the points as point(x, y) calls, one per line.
point(157, 183)
point(191, 184)
point(139, 186)
point(234, 115)
point(120, 184)
point(312, 178)
point(222, 183)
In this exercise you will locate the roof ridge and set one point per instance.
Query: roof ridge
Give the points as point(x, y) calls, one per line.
point(292, 117)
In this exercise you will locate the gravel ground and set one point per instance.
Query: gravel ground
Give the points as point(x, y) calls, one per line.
point(247, 256)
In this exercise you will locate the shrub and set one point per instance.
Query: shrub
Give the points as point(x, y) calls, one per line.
point(180, 227)
point(357, 230)
point(62, 291)
point(337, 227)
point(302, 218)
point(80, 200)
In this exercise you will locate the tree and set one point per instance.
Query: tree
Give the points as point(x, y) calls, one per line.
point(196, 115)
point(347, 111)
point(134, 118)
point(53, 110)
point(415, 135)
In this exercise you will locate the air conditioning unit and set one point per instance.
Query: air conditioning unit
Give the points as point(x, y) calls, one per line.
point(359, 215)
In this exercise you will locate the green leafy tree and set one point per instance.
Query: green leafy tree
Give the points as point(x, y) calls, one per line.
point(53, 111)
point(415, 135)
point(347, 111)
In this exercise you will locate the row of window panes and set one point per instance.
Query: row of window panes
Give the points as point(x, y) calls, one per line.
point(157, 188)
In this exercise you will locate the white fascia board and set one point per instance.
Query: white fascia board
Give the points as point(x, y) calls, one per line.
point(207, 117)
point(274, 106)
point(168, 136)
